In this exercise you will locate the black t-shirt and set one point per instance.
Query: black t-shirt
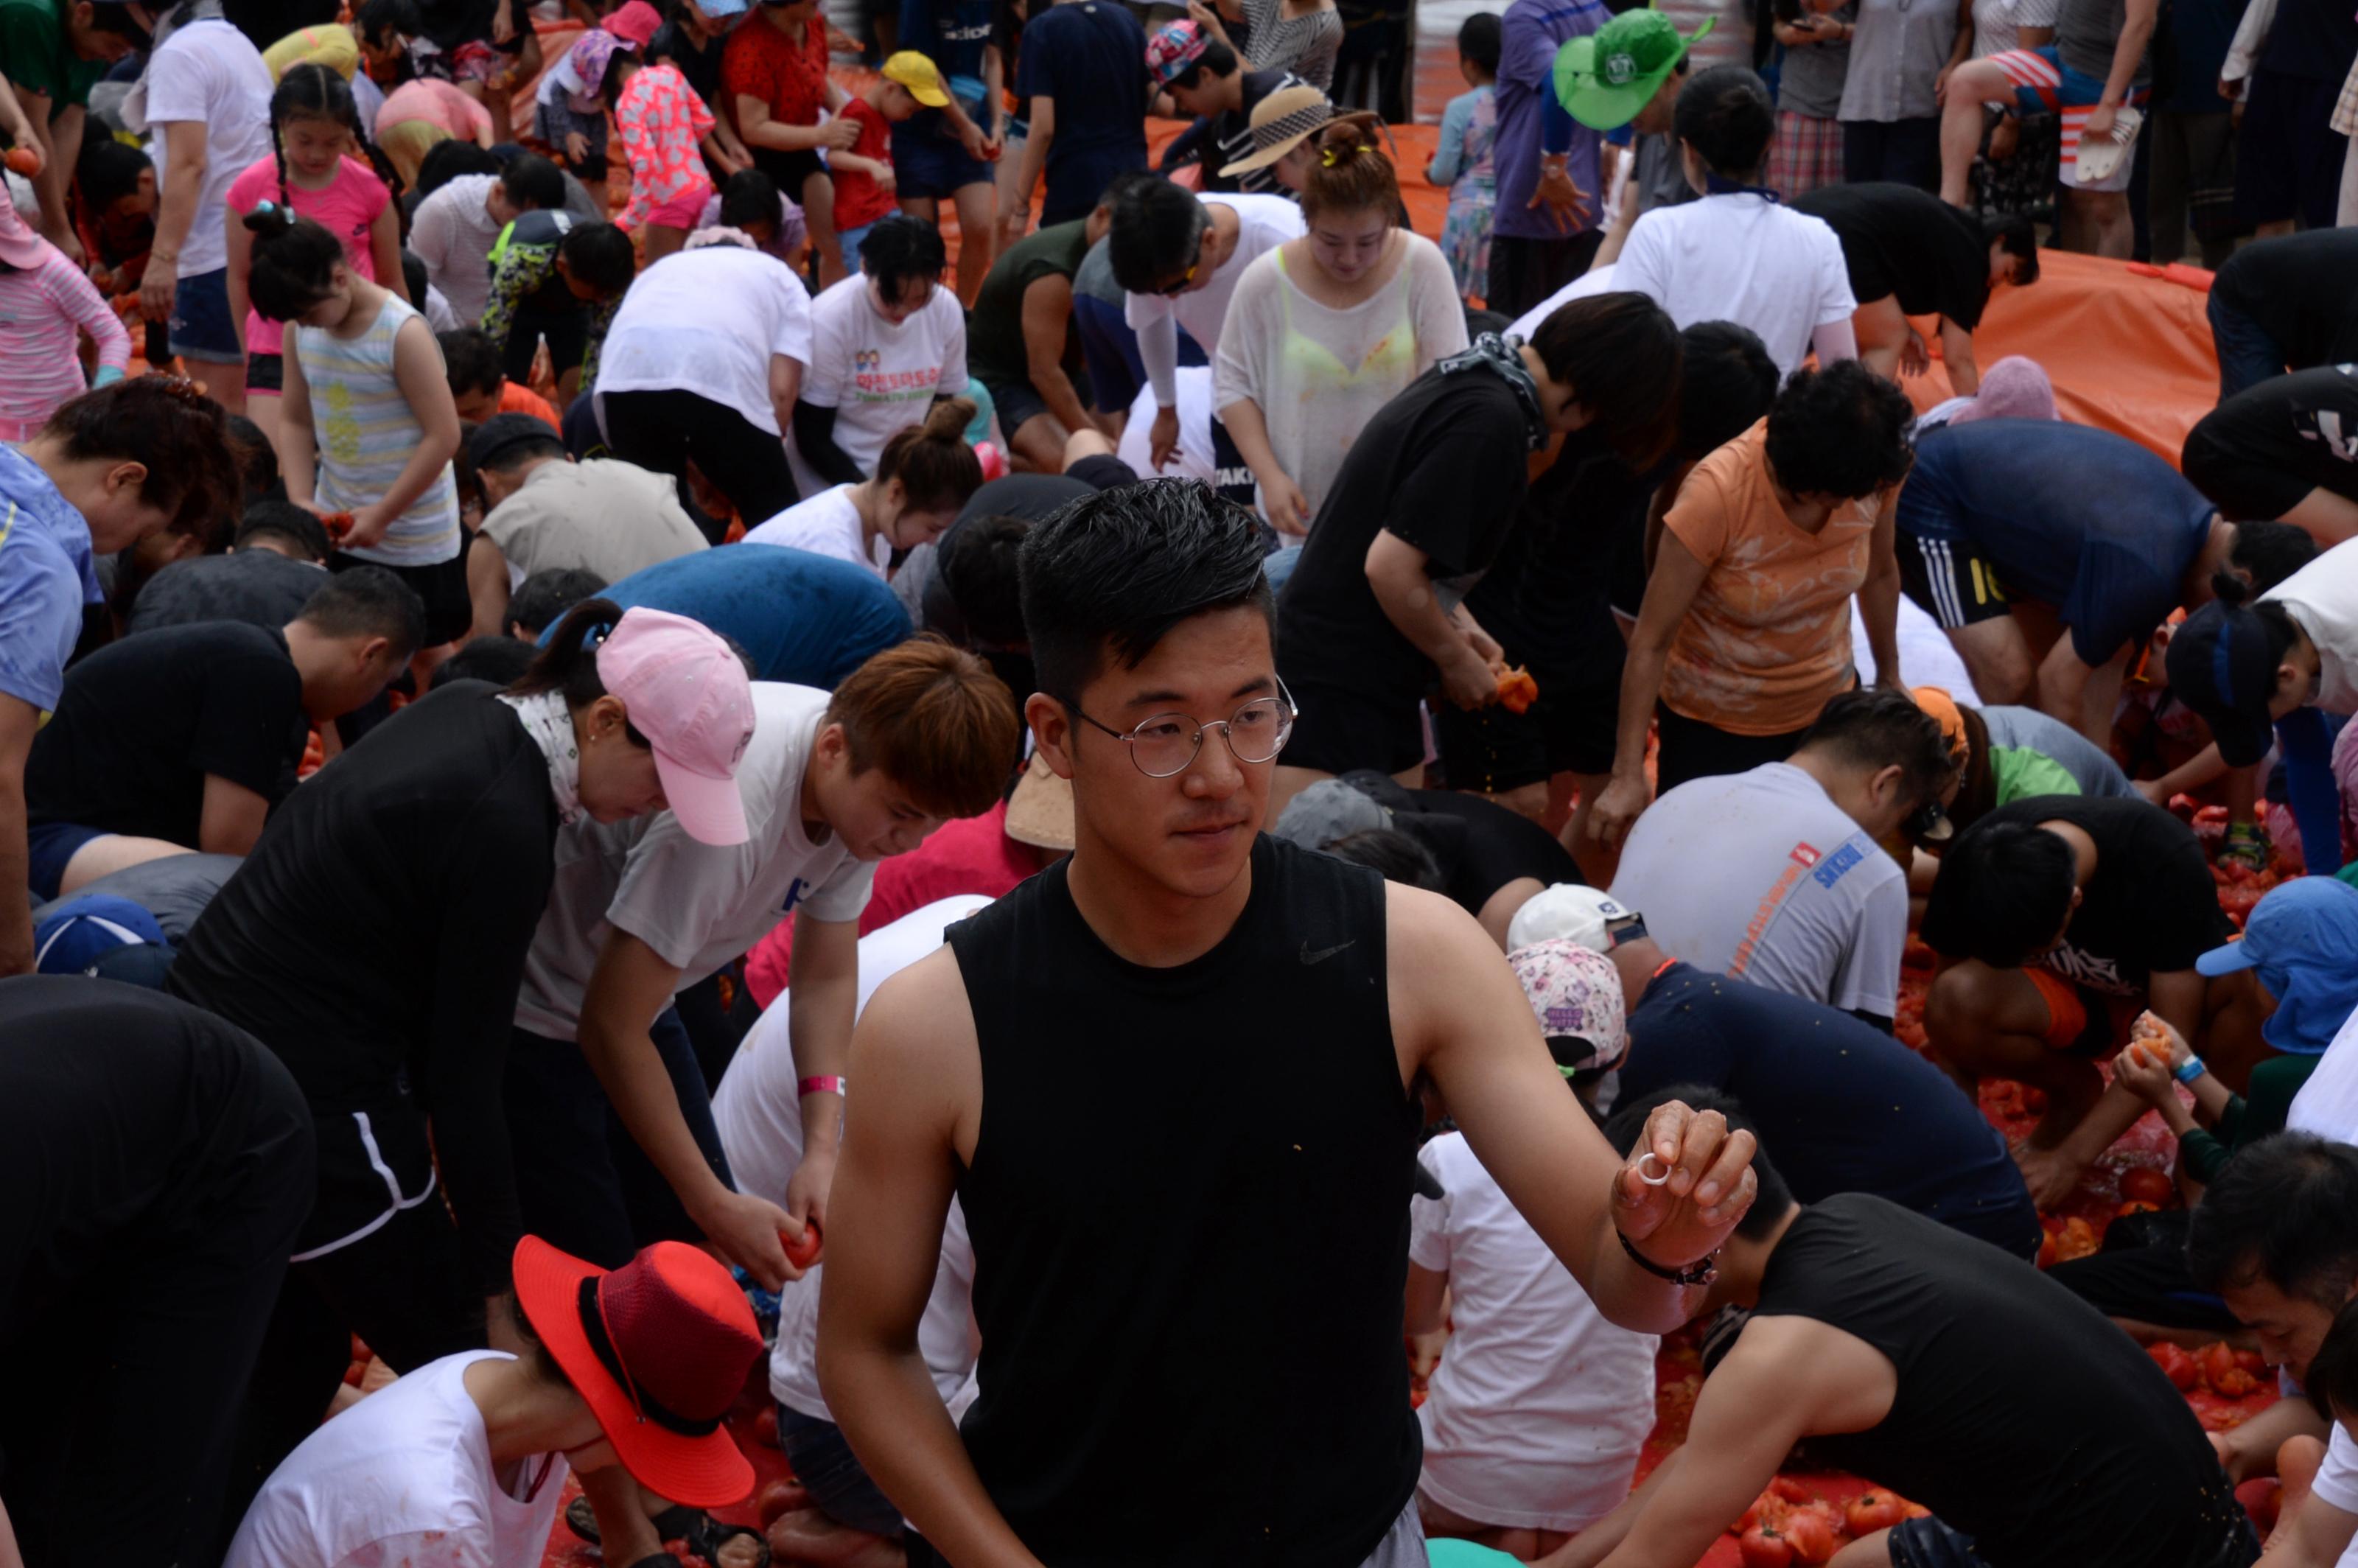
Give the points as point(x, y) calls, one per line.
point(1842, 1107)
point(261, 588)
point(2150, 908)
point(2024, 1419)
point(2311, 38)
point(1442, 467)
point(1549, 598)
point(2259, 452)
point(700, 63)
point(1229, 136)
point(144, 720)
point(1899, 239)
point(2298, 289)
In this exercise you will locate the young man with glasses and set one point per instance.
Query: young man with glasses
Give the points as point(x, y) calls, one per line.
point(1176, 1074)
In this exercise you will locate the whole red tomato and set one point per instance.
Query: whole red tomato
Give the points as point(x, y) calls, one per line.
point(1871, 1511)
point(1763, 1547)
point(2176, 1365)
point(2143, 1184)
point(805, 1253)
point(1811, 1533)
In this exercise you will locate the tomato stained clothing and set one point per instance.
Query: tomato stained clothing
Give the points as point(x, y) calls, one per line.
point(2089, 1460)
point(1760, 875)
point(409, 1478)
point(1767, 639)
point(1535, 1416)
point(1847, 1108)
point(859, 200)
point(1120, 1201)
point(347, 207)
point(661, 120)
point(2151, 908)
point(788, 73)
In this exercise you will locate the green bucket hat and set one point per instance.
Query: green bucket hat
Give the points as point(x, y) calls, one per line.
point(1603, 79)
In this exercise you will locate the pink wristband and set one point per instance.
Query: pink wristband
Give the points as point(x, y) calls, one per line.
point(831, 1084)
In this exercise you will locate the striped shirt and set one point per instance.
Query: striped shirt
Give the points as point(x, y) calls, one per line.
point(366, 431)
point(40, 308)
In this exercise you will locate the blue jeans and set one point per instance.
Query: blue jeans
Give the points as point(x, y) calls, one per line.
point(2247, 356)
point(831, 1472)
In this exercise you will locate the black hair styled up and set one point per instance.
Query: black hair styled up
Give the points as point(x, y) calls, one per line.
point(1726, 115)
point(1107, 576)
point(568, 663)
point(899, 250)
point(1481, 38)
point(2002, 893)
point(1773, 1200)
point(286, 522)
point(2285, 1211)
point(446, 161)
point(1726, 383)
point(979, 565)
point(599, 254)
point(499, 660)
point(1390, 851)
point(109, 170)
point(1622, 356)
point(1217, 61)
point(2014, 233)
point(531, 180)
point(545, 595)
point(368, 602)
point(1158, 228)
point(749, 196)
point(1876, 727)
point(1840, 431)
point(2264, 554)
point(295, 262)
point(469, 363)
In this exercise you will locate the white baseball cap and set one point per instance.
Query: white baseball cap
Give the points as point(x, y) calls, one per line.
point(1567, 912)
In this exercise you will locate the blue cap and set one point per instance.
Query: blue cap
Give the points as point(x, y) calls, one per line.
point(2221, 665)
point(2301, 941)
point(76, 932)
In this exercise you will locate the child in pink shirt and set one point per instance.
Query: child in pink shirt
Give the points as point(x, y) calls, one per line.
point(44, 298)
point(419, 113)
point(662, 122)
point(313, 126)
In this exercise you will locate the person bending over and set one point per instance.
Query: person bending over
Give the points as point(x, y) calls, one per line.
point(2284, 304)
point(480, 384)
point(1025, 348)
point(272, 569)
point(1113, 1204)
point(1871, 1334)
point(802, 618)
point(456, 227)
point(560, 281)
point(887, 344)
point(1911, 253)
point(187, 738)
point(545, 598)
point(2285, 448)
point(2057, 919)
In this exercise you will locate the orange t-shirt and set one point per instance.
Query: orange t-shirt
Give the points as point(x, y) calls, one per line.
point(1768, 640)
point(516, 397)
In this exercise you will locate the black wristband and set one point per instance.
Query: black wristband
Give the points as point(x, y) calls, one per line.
point(1702, 1271)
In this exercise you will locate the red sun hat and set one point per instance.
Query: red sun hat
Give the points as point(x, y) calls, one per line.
point(659, 1349)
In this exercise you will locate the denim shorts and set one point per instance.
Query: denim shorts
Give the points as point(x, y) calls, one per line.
point(48, 846)
point(201, 328)
point(928, 162)
point(823, 1462)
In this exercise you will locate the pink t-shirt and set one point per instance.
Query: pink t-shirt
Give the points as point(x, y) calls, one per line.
point(346, 208)
point(661, 120)
point(437, 102)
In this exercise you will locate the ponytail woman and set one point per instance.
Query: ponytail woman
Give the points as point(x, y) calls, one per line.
point(923, 478)
point(1330, 326)
point(375, 940)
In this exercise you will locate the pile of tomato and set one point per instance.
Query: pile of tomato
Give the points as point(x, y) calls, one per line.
point(2225, 1371)
point(1789, 1523)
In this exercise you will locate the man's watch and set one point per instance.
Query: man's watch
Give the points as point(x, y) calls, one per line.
point(1702, 1271)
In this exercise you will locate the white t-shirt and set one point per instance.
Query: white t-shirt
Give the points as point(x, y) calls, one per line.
point(1536, 1414)
point(826, 525)
point(1195, 458)
point(1926, 657)
point(878, 377)
point(758, 1112)
point(2323, 597)
point(2327, 1106)
point(1760, 875)
point(453, 233)
point(1600, 281)
point(1263, 223)
point(209, 72)
point(1743, 259)
point(403, 1476)
point(698, 905)
point(707, 321)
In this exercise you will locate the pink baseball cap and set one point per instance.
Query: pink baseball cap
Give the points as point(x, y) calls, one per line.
point(688, 695)
point(634, 22)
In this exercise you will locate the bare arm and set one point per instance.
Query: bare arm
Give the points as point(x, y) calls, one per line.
point(820, 1008)
point(1047, 321)
point(1957, 353)
point(297, 443)
point(176, 212)
point(1878, 596)
point(2137, 21)
point(758, 129)
point(18, 723)
point(2318, 1536)
point(1017, 220)
point(241, 268)
point(785, 385)
point(384, 253)
point(1288, 509)
point(905, 1135)
point(487, 588)
point(58, 143)
point(1670, 589)
point(232, 818)
point(1396, 573)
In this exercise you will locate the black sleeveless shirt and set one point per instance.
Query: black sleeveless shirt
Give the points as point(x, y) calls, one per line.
point(1189, 1210)
point(2024, 1419)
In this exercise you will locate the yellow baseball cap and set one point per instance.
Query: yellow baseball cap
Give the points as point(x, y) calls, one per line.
point(916, 73)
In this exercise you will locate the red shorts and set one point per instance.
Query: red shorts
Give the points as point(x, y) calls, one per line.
point(682, 211)
point(2080, 1022)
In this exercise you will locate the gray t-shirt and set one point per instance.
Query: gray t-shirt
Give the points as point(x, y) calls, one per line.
point(697, 906)
point(1810, 82)
point(2085, 33)
point(602, 515)
point(2073, 753)
point(261, 588)
point(175, 889)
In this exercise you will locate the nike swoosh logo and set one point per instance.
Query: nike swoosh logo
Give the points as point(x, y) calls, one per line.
point(1319, 956)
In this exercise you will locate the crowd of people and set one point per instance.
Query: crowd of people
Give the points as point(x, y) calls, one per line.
point(1375, 813)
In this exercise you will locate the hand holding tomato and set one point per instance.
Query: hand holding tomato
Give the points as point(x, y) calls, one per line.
point(1517, 691)
point(25, 160)
point(803, 1250)
point(2145, 1184)
point(2143, 1070)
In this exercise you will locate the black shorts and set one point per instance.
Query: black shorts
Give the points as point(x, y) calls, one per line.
point(789, 171)
point(2287, 155)
point(1568, 730)
point(1691, 749)
point(265, 372)
point(1954, 585)
point(568, 332)
point(449, 610)
point(1337, 730)
point(1016, 403)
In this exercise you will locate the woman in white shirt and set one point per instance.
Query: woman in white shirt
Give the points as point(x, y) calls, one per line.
point(1739, 254)
point(1328, 328)
point(923, 479)
point(886, 343)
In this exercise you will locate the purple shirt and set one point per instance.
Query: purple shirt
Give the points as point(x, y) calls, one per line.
point(1532, 33)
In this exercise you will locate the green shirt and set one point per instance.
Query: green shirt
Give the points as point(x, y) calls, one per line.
point(995, 351)
point(2020, 772)
point(33, 41)
point(2246, 1118)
